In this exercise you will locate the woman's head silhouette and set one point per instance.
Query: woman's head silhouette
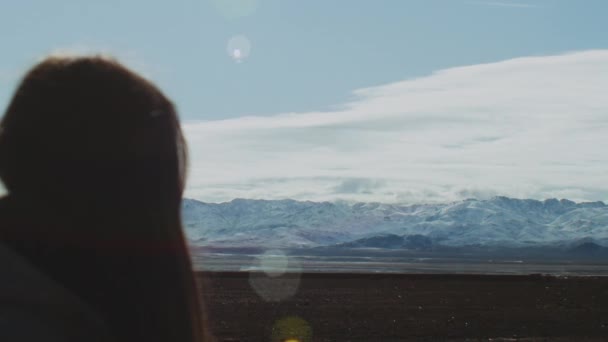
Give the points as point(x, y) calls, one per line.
point(94, 161)
point(88, 129)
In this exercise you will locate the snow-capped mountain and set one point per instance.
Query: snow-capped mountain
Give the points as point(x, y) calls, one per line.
point(499, 221)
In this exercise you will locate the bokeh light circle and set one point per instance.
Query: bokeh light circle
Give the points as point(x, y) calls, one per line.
point(238, 48)
point(274, 263)
point(276, 276)
point(291, 328)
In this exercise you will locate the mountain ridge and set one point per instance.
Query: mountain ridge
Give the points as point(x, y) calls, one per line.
point(499, 221)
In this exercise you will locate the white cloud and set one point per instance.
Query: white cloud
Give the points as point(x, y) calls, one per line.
point(531, 127)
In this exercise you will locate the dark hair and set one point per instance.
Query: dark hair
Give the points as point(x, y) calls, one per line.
point(95, 159)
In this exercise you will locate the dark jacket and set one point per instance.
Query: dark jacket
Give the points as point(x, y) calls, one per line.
point(33, 307)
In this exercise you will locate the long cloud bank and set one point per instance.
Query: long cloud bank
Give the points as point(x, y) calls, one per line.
point(533, 127)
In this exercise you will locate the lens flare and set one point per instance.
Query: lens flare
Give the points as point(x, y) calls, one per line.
point(238, 48)
point(274, 263)
point(276, 277)
point(291, 329)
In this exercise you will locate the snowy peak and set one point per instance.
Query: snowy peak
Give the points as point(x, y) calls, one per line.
point(500, 221)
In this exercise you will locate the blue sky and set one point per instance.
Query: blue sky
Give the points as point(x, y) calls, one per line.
point(395, 101)
point(306, 55)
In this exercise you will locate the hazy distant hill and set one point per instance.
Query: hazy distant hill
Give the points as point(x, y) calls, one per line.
point(499, 221)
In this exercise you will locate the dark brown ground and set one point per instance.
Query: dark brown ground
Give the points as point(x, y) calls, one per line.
point(399, 307)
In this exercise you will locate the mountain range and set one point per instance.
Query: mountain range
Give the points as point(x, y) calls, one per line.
point(495, 222)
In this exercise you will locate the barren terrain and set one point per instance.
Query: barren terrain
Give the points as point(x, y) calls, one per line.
point(399, 307)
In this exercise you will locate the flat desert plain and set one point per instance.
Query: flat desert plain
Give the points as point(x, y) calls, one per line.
point(254, 306)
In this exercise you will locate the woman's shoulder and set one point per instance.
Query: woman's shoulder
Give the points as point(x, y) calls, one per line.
point(34, 306)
